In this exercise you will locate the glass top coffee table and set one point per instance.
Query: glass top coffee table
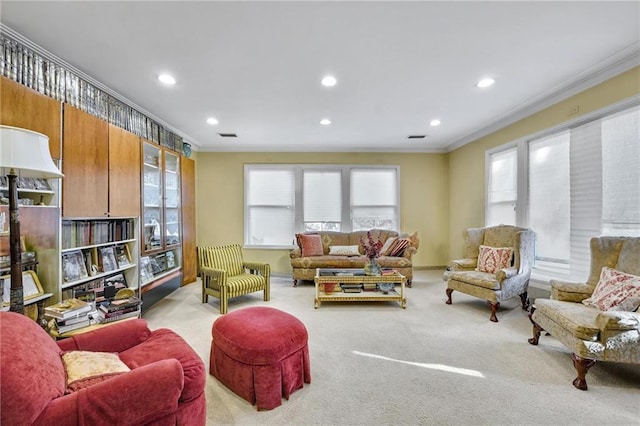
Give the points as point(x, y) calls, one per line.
point(353, 285)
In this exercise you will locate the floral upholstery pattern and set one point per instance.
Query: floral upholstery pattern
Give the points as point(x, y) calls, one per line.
point(507, 282)
point(304, 268)
point(590, 333)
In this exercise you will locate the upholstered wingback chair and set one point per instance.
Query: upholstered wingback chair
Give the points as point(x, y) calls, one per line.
point(496, 265)
point(225, 274)
point(590, 333)
point(164, 384)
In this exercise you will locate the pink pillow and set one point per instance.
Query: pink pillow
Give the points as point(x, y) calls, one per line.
point(615, 291)
point(492, 259)
point(310, 245)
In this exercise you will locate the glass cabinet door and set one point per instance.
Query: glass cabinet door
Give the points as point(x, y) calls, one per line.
point(152, 197)
point(172, 199)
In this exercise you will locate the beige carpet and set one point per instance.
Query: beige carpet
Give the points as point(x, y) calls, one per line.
point(431, 364)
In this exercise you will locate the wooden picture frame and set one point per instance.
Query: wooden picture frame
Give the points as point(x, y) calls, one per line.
point(31, 286)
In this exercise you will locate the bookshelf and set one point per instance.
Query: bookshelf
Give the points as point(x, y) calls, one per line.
point(96, 252)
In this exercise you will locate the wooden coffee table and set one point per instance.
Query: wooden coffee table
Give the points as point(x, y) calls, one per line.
point(357, 278)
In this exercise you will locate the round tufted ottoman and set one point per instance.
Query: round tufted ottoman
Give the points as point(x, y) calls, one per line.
point(261, 354)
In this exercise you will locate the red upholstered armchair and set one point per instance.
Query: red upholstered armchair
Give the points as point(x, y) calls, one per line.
point(165, 384)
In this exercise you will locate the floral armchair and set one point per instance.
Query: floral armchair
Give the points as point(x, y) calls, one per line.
point(575, 317)
point(496, 266)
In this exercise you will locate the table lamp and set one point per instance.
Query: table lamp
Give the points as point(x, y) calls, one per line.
point(27, 153)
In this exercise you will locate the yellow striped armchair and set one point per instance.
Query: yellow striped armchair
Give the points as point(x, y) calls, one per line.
point(225, 274)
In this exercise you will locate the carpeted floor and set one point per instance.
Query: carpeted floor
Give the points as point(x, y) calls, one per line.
point(431, 364)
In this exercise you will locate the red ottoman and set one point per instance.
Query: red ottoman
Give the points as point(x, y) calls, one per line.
point(261, 354)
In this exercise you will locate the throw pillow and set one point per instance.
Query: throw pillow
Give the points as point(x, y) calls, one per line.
point(86, 368)
point(344, 250)
point(492, 259)
point(615, 291)
point(399, 247)
point(310, 244)
point(386, 247)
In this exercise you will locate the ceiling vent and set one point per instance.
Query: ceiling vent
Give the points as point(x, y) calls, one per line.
point(228, 135)
point(416, 136)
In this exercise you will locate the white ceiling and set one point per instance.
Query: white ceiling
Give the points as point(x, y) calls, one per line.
point(257, 66)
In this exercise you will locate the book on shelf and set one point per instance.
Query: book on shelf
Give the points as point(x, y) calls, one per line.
point(73, 266)
point(106, 318)
point(108, 259)
point(120, 304)
point(84, 321)
point(123, 256)
point(68, 308)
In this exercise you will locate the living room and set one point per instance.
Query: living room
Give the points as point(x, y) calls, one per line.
point(442, 193)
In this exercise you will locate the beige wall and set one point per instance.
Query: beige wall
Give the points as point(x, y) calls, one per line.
point(423, 195)
point(466, 164)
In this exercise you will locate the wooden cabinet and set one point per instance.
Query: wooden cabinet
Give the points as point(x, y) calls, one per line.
point(25, 108)
point(161, 259)
point(189, 257)
point(85, 164)
point(124, 173)
point(101, 163)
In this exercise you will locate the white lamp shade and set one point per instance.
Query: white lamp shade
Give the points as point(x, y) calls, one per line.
point(27, 152)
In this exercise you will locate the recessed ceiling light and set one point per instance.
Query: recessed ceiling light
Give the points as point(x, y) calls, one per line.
point(485, 82)
point(325, 121)
point(329, 81)
point(166, 79)
point(435, 122)
point(212, 121)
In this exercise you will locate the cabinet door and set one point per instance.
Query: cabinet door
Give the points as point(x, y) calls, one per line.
point(172, 199)
point(124, 173)
point(152, 197)
point(85, 164)
point(25, 108)
point(188, 184)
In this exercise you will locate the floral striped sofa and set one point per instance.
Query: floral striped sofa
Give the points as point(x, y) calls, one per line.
point(304, 267)
point(590, 333)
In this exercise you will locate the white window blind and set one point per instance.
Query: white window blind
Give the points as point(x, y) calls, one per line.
point(502, 188)
point(374, 198)
point(549, 199)
point(281, 200)
point(621, 174)
point(322, 195)
point(581, 182)
point(270, 206)
point(586, 195)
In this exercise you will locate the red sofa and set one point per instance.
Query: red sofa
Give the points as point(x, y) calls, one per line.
point(164, 387)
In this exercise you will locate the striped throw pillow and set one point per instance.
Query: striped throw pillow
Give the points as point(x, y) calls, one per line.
point(399, 247)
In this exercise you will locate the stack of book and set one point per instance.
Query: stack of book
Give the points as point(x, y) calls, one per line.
point(70, 314)
point(118, 309)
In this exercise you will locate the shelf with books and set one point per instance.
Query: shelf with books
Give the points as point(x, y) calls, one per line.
point(97, 250)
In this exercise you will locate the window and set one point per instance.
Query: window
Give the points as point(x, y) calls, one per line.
point(580, 181)
point(502, 194)
point(374, 199)
point(322, 195)
point(270, 206)
point(281, 200)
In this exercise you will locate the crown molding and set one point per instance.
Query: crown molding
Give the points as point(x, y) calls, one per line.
point(10, 33)
point(604, 70)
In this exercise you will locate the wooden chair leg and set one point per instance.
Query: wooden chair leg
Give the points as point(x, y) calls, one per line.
point(582, 365)
point(525, 301)
point(536, 334)
point(494, 308)
point(449, 291)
